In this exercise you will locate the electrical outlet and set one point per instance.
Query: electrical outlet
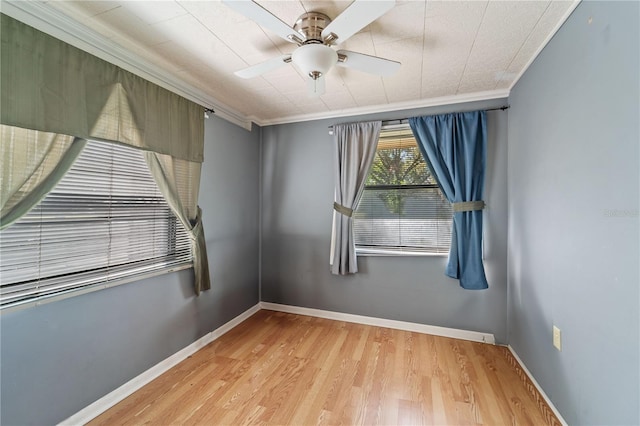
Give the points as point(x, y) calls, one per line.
point(557, 338)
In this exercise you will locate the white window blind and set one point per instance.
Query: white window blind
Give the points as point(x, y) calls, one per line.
point(402, 208)
point(104, 223)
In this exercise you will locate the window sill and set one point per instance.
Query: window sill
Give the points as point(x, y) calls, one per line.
point(368, 252)
point(94, 287)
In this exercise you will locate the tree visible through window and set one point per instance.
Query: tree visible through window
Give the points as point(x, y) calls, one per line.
point(402, 208)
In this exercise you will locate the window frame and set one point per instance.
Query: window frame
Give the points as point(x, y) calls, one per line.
point(377, 251)
point(95, 278)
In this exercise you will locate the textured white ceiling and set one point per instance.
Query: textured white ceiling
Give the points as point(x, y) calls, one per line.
point(446, 48)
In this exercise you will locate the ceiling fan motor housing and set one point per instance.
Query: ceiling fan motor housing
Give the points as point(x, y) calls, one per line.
point(315, 34)
point(314, 57)
point(310, 26)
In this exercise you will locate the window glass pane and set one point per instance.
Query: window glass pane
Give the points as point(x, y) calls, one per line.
point(106, 220)
point(402, 208)
point(398, 161)
point(411, 219)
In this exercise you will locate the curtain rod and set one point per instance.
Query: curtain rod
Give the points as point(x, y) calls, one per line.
point(502, 108)
point(391, 123)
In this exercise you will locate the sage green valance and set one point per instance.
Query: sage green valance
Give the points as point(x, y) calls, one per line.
point(51, 86)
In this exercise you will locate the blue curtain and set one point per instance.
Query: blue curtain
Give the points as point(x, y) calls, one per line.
point(455, 147)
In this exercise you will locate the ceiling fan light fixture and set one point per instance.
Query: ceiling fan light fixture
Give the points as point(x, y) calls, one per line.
point(314, 60)
point(315, 34)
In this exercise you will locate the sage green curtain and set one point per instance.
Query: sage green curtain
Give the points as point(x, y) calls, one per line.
point(179, 182)
point(51, 86)
point(33, 163)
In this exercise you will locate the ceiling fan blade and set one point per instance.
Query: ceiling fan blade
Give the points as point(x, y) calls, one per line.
point(355, 17)
point(264, 67)
point(262, 16)
point(317, 87)
point(369, 64)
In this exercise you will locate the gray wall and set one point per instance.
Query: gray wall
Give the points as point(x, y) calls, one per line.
point(297, 199)
point(573, 215)
point(573, 246)
point(60, 357)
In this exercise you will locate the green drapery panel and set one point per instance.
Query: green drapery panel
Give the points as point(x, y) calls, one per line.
point(51, 86)
point(54, 89)
point(179, 183)
point(32, 164)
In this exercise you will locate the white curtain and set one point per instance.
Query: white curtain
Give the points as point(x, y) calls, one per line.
point(179, 182)
point(32, 164)
point(355, 148)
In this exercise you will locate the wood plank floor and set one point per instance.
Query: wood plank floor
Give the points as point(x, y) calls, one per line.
point(278, 369)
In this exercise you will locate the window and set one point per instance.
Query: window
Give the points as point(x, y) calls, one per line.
point(105, 223)
point(402, 209)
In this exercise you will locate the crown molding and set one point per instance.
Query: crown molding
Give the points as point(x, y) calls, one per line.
point(45, 18)
point(396, 106)
point(546, 41)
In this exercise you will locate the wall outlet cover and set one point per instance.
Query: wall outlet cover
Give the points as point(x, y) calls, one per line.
point(557, 338)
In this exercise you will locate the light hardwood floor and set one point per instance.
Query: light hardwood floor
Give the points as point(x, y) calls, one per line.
point(278, 368)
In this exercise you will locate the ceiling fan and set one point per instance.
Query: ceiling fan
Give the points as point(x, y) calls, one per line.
point(315, 34)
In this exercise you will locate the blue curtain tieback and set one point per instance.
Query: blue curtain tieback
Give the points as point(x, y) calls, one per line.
point(467, 206)
point(346, 211)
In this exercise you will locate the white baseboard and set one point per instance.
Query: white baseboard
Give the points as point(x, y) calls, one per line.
point(474, 336)
point(538, 387)
point(100, 406)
